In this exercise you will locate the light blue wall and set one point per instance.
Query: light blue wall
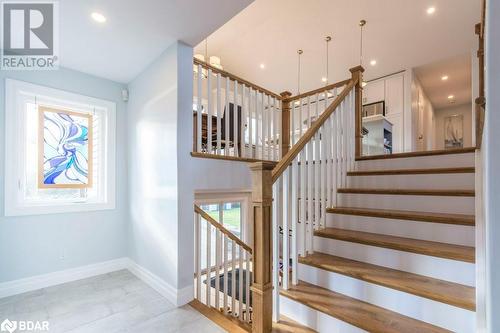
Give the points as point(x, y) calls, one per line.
point(33, 245)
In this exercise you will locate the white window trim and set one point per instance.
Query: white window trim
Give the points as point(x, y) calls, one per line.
point(14, 91)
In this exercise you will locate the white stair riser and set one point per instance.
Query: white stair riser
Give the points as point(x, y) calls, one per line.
point(457, 181)
point(314, 319)
point(436, 313)
point(439, 268)
point(422, 162)
point(423, 203)
point(437, 232)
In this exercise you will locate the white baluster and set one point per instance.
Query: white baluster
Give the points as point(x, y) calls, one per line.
point(199, 108)
point(286, 227)
point(247, 287)
point(294, 207)
point(269, 125)
point(303, 201)
point(226, 117)
point(257, 125)
point(244, 120)
point(250, 122)
point(226, 250)
point(276, 245)
point(240, 282)
point(236, 117)
point(233, 278)
point(217, 266)
point(219, 115)
point(209, 112)
point(322, 181)
point(209, 263)
point(310, 191)
point(198, 255)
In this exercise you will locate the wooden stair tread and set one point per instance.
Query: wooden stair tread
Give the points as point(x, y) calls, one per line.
point(435, 249)
point(458, 219)
point(427, 171)
point(438, 290)
point(454, 193)
point(418, 154)
point(363, 315)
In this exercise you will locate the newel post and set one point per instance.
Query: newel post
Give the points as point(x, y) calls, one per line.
point(262, 296)
point(357, 74)
point(285, 123)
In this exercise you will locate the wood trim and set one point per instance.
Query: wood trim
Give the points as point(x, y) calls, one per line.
point(438, 290)
point(317, 91)
point(429, 248)
point(222, 229)
point(431, 171)
point(315, 126)
point(357, 75)
point(446, 193)
point(418, 154)
point(90, 162)
point(226, 322)
point(285, 123)
point(456, 219)
point(235, 78)
point(228, 158)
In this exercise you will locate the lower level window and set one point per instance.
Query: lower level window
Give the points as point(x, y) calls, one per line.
point(228, 214)
point(59, 151)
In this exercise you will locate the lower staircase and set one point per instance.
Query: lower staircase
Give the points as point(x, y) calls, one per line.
point(397, 251)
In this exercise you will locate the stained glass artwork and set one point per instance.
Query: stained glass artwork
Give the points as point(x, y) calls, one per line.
point(65, 149)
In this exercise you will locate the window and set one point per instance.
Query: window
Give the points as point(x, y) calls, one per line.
point(228, 214)
point(60, 151)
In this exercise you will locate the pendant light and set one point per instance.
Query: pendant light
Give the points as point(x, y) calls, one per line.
point(327, 77)
point(362, 23)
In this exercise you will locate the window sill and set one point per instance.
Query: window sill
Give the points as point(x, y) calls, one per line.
point(61, 208)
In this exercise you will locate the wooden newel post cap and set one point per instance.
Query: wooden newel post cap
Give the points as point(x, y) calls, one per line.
point(286, 94)
point(358, 68)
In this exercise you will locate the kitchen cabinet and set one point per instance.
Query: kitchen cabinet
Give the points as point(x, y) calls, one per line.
point(397, 131)
point(394, 94)
point(374, 92)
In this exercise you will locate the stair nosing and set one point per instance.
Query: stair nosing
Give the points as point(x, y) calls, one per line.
point(412, 171)
point(330, 311)
point(416, 192)
point(431, 217)
point(414, 291)
point(390, 242)
point(418, 154)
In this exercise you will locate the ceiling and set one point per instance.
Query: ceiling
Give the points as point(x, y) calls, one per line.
point(399, 34)
point(135, 33)
point(459, 83)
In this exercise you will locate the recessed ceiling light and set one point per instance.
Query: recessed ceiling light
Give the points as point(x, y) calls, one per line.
point(451, 97)
point(262, 66)
point(324, 79)
point(373, 62)
point(98, 17)
point(431, 10)
point(444, 77)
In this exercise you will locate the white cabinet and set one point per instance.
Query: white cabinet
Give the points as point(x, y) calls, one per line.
point(397, 131)
point(394, 94)
point(374, 92)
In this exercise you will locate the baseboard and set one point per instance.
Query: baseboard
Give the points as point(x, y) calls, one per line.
point(51, 279)
point(178, 297)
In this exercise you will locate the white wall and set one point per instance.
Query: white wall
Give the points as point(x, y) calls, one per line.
point(466, 111)
point(33, 245)
point(423, 118)
point(492, 165)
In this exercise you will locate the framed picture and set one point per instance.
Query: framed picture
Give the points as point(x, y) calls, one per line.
point(64, 148)
point(454, 131)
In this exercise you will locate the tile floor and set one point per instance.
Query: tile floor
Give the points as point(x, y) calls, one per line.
point(114, 302)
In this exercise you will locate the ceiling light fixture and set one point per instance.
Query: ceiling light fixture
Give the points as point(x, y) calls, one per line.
point(324, 79)
point(444, 78)
point(451, 97)
point(98, 17)
point(431, 10)
point(373, 62)
point(262, 66)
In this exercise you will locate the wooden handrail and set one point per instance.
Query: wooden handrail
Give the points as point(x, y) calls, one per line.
point(297, 148)
point(236, 78)
point(219, 226)
point(318, 91)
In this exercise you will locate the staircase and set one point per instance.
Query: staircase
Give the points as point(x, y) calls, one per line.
point(397, 251)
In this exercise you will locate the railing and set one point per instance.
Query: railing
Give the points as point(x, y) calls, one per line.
point(300, 188)
point(223, 268)
point(233, 117)
point(481, 99)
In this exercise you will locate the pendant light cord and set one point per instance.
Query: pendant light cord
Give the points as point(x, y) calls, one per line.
point(299, 53)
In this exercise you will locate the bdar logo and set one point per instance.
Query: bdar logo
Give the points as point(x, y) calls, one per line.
point(8, 326)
